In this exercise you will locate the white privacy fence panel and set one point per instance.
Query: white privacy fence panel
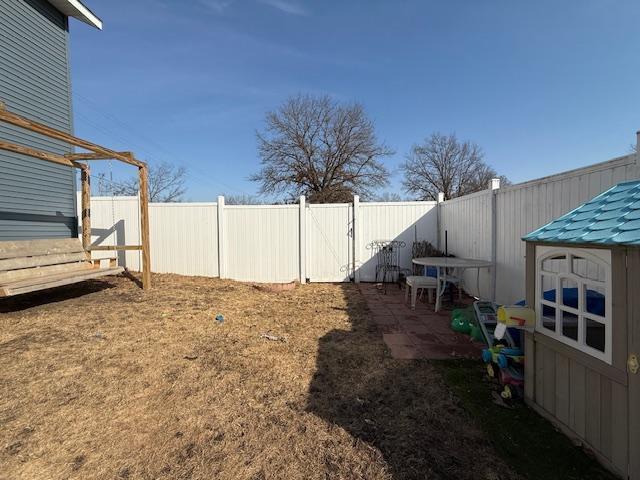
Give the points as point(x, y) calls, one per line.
point(281, 243)
point(403, 221)
point(520, 209)
point(525, 207)
point(116, 221)
point(329, 247)
point(261, 243)
point(184, 238)
point(466, 224)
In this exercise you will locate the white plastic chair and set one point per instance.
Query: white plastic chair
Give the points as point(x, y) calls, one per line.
point(417, 282)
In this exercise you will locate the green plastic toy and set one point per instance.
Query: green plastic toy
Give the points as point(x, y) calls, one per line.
point(476, 333)
point(462, 320)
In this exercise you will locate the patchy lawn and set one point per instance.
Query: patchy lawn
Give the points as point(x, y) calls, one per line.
point(520, 435)
point(107, 381)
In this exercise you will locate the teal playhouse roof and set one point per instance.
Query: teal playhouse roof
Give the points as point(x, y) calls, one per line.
point(611, 218)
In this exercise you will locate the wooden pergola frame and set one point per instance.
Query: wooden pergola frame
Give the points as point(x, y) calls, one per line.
point(95, 152)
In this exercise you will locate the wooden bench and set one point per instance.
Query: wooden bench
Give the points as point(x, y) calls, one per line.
point(31, 265)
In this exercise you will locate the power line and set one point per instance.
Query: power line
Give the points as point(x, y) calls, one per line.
point(150, 156)
point(156, 146)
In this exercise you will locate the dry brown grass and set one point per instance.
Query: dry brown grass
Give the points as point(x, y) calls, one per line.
point(107, 381)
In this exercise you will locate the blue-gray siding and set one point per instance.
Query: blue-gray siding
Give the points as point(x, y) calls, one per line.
point(37, 198)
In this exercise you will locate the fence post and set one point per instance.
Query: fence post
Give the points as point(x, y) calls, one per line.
point(494, 186)
point(355, 238)
point(303, 240)
point(438, 221)
point(221, 253)
point(638, 148)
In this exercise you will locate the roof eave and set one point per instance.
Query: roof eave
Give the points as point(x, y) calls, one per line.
point(79, 11)
point(559, 243)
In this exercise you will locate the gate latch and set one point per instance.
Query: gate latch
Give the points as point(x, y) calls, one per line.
point(632, 364)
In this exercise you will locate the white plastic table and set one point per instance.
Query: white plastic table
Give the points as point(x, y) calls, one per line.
point(450, 269)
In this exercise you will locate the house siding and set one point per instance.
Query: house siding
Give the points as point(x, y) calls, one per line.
point(37, 198)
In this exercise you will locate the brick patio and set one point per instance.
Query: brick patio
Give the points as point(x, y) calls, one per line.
point(419, 333)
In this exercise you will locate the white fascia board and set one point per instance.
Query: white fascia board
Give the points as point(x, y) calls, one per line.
point(76, 9)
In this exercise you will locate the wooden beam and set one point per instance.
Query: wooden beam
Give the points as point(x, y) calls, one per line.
point(144, 227)
point(31, 152)
point(92, 156)
point(40, 154)
point(85, 178)
point(97, 248)
point(18, 121)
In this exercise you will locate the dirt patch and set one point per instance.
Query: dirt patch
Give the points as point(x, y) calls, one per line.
point(109, 381)
point(276, 287)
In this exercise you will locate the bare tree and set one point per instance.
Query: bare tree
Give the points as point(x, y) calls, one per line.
point(388, 197)
point(316, 147)
point(243, 199)
point(444, 164)
point(166, 184)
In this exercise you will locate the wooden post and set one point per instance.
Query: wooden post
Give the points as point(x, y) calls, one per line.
point(85, 178)
point(144, 227)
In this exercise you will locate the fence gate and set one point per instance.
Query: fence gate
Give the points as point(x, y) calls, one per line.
point(329, 242)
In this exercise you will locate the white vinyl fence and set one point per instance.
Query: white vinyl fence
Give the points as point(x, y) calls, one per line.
point(318, 243)
point(466, 225)
point(262, 243)
point(183, 236)
point(477, 229)
point(328, 242)
point(402, 221)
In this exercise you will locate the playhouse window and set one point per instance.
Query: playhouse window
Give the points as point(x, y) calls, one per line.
point(573, 298)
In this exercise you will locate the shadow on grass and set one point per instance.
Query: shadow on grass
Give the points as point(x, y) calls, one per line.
point(52, 295)
point(400, 407)
point(433, 419)
point(127, 274)
point(531, 445)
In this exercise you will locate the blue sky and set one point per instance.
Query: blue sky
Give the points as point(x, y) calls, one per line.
point(542, 86)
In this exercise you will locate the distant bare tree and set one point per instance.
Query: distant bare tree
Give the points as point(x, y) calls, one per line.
point(388, 197)
point(243, 199)
point(316, 147)
point(166, 184)
point(444, 164)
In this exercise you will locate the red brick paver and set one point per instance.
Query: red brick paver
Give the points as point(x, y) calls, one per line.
point(420, 333)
